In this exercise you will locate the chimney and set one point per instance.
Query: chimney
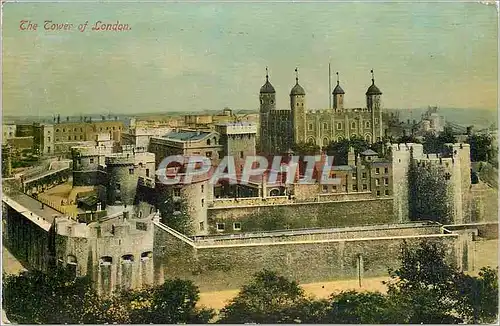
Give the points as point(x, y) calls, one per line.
point(408, 121)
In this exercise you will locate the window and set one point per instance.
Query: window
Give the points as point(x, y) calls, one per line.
point(208, 142)
point(386, 170)
point(387, 192)
point(377, 171)
point(57, 130)
point(81, 129)
point(365, 186)
point(310, 126)
point(378, 192)
point(353, 125)
point(376, 121)
point(355, 187)
point(237, 226)
point(386, 181)
point(202, 188)
point(364, 175)
point(325, 126)
point(377, 182)
point(147, 173)
point(242, 155)
point(202, 226)
point(64, 130)
point(208, 154)
point(81, 137)
point(48, 149)
point(177, 192)
point(130, 171)
point(202, 202)
point(74, 129)
point(334, 187)
point(220, 226)
point(48, 138)
point(91, 161)
point(48, 132)
point(334, 176)
point(354, 176)
point(339, 126)
point(325, 188)
point(367, 124)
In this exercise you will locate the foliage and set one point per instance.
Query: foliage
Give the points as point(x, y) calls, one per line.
point(35, 297)
point(175, 214)
point(481, 148)
point(340, 149)
point(429, 193)
point(306, 149)
point(478, 297)
point(436, 144)
point(407, 139)
point(268, 298)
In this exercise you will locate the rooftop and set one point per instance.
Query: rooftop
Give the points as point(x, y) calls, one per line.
point(186, 135)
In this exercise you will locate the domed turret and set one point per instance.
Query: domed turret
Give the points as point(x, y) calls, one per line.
point(267, 88)
point(373, 96)
point(338, 96)
point(373, 90)
point(297, 89)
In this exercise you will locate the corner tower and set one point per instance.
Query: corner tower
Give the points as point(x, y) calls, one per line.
point(267, 99)
point(297, 105)
point(338, 96)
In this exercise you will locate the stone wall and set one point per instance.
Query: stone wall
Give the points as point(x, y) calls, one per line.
point(302, 215)
point(215, 268)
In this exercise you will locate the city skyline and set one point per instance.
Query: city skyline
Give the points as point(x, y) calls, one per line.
point(195, 57)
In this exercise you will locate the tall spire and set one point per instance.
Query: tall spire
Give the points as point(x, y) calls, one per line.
point(296, 75)
point(373, 77)
point(267, 74)
point(338, 80)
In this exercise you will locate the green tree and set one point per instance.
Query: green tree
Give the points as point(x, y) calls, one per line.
point(175, 214)
point(478, 297)
point(306, 149)
point(268, 298)
point(35, 297)
point(173, 302)
point(481, 148)
point(424, 287)
point(353, 307)
point(340, 149)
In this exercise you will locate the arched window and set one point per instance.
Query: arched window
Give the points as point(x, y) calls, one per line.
point(208, 142)
point(353, 125)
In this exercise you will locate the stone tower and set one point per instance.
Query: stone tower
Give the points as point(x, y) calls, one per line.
point(267, 99)
point(122, 179)
point(374, 105)
point(297, 105)
point(338, 97)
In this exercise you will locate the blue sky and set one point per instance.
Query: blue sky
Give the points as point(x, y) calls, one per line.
point(199, 56)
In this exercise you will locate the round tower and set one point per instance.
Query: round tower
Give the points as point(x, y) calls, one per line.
point(298, 106)
point(338, 96)
point(122, 179)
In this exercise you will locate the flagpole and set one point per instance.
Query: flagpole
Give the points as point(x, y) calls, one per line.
point(329, 86)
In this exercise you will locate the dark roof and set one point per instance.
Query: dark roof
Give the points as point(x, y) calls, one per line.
point(186, 135)
point(89, 201)
point(343, 168)
point(369, 152)
point(297, 90)
point(338, 90)
point(373, 90)
point(267, 88)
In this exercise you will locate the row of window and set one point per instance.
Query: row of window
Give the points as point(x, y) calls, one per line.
point(222, 226)
point(81, 129)
point(367, 124)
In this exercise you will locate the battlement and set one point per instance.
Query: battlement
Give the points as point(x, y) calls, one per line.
point(85, 151)
point(237, 128)
point(120, 159)
point(406, 147)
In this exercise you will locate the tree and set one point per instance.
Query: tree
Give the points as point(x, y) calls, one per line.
point(175, 214)
point(34, 297)
point(173, 302)
point(306, 149)
point(425, 286)
point(353, 307)
point(478, 297)
point(428, 193)
point(339, 149)
point(480, 147)
point(268, 298)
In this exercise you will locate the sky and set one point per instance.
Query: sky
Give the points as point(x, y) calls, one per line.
point(207, 56)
